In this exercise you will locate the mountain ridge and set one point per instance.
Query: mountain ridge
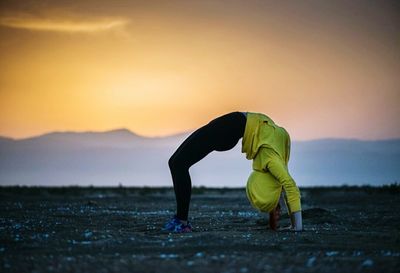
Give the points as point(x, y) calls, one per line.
point(120, 156)
point(127, 132)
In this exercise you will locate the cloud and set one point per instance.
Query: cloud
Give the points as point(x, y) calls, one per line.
point(63, 25)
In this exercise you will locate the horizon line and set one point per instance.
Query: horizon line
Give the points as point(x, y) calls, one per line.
point(175, 134)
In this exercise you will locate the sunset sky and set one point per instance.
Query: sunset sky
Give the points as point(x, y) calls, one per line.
point(318, 68)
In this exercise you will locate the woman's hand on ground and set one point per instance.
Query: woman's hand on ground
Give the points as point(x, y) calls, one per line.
point(297, 221)
point(289, 228)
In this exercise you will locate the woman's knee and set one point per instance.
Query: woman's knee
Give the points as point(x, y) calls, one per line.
point(174, 163)
point(171, 162)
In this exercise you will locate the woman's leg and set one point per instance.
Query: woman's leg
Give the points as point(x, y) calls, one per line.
point(220, 134)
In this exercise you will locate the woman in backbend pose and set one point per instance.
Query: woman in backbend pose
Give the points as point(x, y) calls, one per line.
point(264, 142)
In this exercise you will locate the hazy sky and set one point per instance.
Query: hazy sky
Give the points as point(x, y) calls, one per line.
point(318, 68)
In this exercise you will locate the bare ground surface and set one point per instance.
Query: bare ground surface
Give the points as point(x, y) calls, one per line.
point(119, 230)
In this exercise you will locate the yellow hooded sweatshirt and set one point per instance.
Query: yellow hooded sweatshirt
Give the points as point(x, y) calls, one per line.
point(268, 145)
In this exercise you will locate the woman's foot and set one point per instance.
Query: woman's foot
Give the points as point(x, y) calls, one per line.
point(177, 226)
point(274, 218)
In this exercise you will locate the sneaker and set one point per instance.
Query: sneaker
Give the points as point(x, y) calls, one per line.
point(175, 225)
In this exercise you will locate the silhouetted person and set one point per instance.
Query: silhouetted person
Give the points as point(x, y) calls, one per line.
point(264, 142)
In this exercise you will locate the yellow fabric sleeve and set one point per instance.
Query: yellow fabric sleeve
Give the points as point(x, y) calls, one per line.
point(279, 170)
point(268, 160)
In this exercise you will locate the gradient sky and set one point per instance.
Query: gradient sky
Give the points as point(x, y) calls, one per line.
point(319, 68)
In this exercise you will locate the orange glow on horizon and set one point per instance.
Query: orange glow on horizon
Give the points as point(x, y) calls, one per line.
point(161, 70)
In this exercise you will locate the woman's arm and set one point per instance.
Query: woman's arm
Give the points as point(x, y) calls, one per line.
point(292, 193)
point(295, 217)
point(297, 221)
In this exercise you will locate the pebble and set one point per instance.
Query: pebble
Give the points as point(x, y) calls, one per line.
point(247, 214)
point(389, 253)
point(87, 234)
point(331, 253)
point(168, 256)
point(368, 263)
point(311, 261)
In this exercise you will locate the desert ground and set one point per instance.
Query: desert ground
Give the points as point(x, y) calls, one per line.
point(73, 229)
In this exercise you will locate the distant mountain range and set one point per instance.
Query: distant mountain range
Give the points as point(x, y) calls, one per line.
point(123, 157)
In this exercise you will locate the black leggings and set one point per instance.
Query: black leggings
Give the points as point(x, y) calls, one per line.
point(220, 134)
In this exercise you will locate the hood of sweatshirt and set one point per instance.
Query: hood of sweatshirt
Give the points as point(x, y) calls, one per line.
point(261, 130)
